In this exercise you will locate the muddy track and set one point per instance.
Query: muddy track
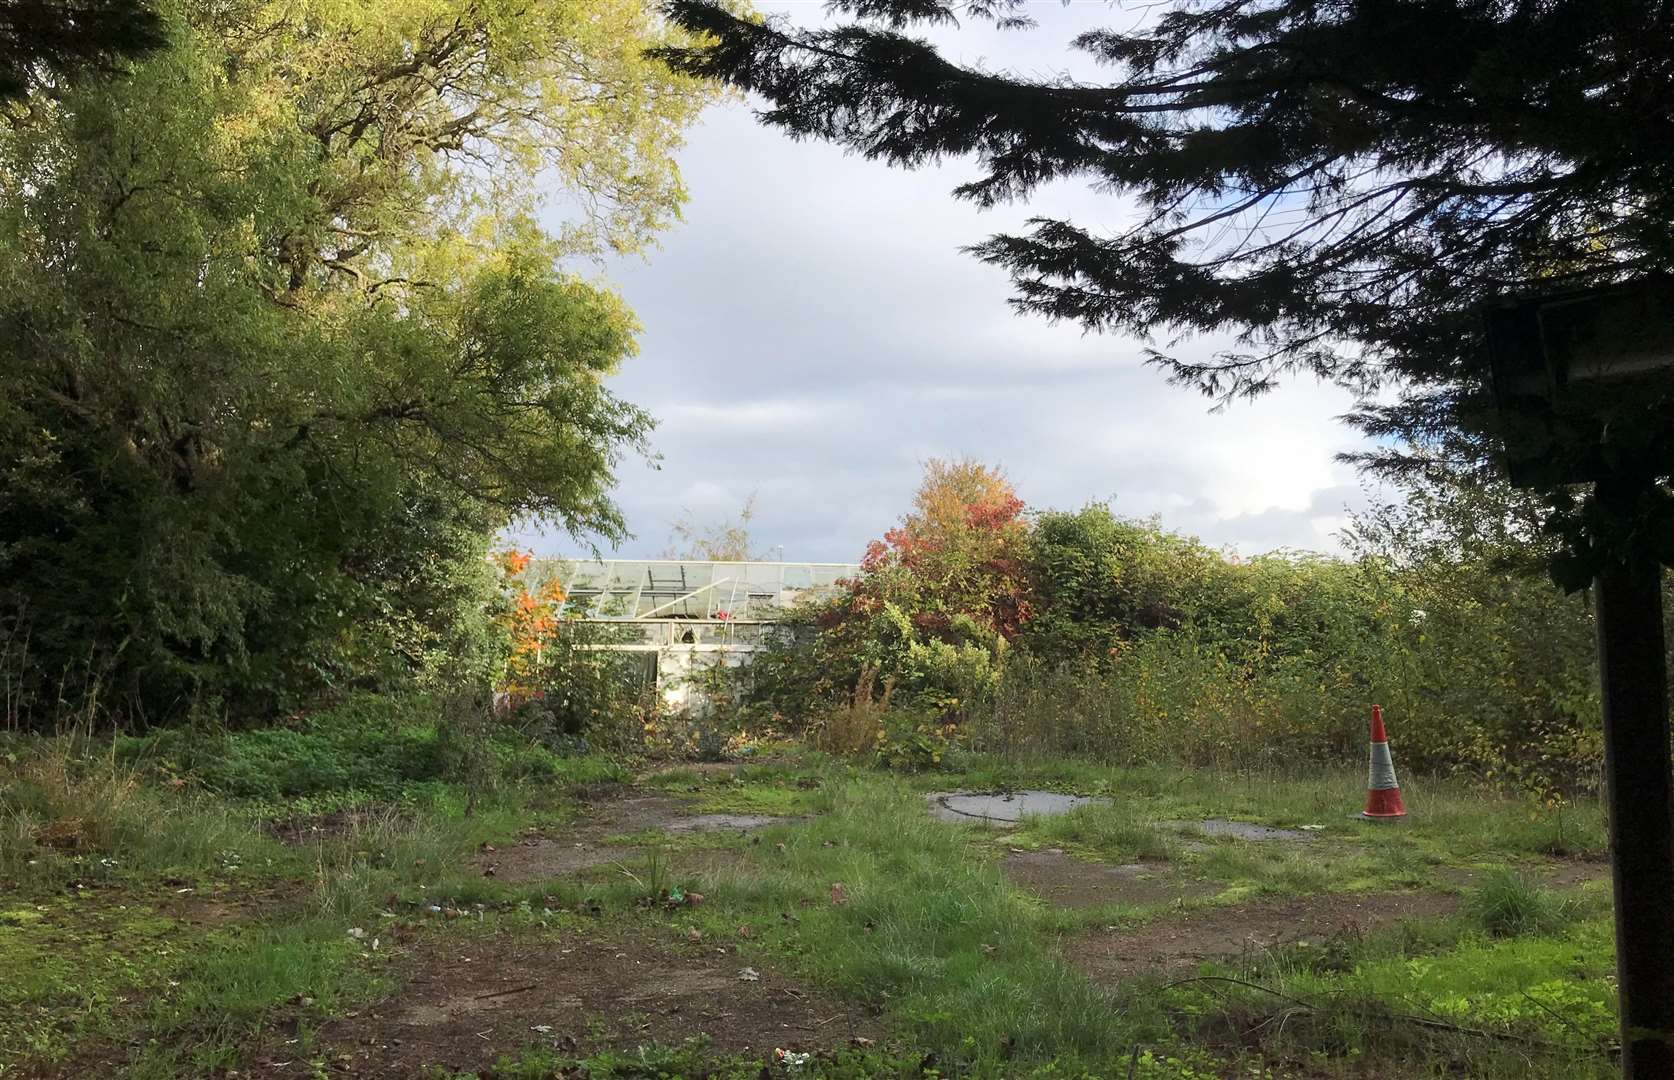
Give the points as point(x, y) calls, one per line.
point(467, 999)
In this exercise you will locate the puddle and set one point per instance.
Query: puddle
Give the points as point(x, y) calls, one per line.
point(714, 822)
point(1244, 830)
point(968, 807)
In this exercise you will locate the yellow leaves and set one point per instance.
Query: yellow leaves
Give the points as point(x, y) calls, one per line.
point(448, 113)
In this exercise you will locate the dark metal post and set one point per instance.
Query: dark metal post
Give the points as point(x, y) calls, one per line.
point(1641, 800)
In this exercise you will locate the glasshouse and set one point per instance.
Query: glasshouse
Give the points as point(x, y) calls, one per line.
point(684, 614)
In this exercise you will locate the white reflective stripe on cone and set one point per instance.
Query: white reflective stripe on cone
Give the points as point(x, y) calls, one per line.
point(1382, 775)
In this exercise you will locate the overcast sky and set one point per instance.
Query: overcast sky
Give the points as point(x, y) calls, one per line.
point(813, 333)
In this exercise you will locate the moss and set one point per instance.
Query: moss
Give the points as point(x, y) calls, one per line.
point(74, 963)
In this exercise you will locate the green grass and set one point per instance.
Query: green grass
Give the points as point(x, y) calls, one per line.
point(235, 987)
point(694, 1058)
point(1115, 833)
point(929, 933)
point(1508, 904)
point(963, 968)
point(1540, 1005)
point(70, 961)
point(784, 789)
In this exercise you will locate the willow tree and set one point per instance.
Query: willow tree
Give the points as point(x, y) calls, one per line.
point(283, 339)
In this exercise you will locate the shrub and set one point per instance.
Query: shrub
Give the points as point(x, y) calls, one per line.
point(1508, 904)
point(330, 752)
point(914, 741)
point(853, 727)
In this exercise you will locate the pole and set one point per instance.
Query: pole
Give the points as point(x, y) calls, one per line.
point(1640, 794)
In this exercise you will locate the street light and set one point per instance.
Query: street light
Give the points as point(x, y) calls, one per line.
point(1584, 386)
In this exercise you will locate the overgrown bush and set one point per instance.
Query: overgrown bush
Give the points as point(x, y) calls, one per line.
point(355, 748)
point(370, 746)
point(560, 685)
point(856, 725)
point(1134, 644)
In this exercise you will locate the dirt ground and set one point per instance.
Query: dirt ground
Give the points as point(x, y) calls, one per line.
point(466, 1000)
point(1558, 874)
point(1181, 942)
point(1065, 881)
point(544, 853)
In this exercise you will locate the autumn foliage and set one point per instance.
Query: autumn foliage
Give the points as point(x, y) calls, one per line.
point(941, 594)
point(528, 624)
point(1084, 632)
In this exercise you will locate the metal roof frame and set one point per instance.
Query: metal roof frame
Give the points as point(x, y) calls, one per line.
point(667, 585)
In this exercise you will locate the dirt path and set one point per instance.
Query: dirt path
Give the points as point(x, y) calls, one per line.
point(1554, 874)
point(1180, 943)
point(466, 1000)
point(544, 853)
point(1065, 881)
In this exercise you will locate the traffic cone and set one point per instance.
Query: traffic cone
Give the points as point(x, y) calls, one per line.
point(1383, 791)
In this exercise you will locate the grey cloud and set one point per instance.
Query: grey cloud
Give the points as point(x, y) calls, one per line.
point(812, 331)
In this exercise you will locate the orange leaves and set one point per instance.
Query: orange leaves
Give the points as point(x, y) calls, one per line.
point(959, 555)
point(530, 622)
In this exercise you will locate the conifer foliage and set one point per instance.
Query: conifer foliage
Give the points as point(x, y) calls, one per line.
point(41, 41)
point(1338, 183)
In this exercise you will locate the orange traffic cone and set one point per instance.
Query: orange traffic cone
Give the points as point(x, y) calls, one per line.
point(1383, 791)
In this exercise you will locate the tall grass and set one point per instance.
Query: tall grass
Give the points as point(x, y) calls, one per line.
point(1508, 903)
point(852, 726)
point(69, 805)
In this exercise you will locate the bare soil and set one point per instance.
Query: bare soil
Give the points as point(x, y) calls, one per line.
point(542, 858)
point(1065, 881)
point(541, 854)
point(467, 1000)
point(1557, 874)
point(1173, 944)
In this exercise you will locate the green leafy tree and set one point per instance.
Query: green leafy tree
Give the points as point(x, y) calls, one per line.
point(283, 345)
point(936, 603)
point(1101, 580)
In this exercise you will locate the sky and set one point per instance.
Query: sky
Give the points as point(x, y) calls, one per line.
point(813, 333)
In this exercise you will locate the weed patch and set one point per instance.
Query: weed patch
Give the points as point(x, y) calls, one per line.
point(1507, 903)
